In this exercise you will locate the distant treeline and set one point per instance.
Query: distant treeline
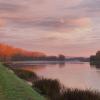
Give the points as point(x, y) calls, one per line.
point(95, 59)
point(48, 58)
point(21, 57)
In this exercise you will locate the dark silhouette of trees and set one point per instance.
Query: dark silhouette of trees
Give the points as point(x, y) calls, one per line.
point(21, 57)
point(61, 57)
point(98, 54)
point(95, 59)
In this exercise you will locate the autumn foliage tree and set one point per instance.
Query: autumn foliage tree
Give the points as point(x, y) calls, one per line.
point(8, 52)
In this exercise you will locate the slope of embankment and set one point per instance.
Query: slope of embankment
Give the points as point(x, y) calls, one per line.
point(13, 88)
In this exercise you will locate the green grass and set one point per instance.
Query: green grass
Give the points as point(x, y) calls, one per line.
point(13, 88)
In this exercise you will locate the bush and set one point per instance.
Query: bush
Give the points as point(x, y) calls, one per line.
point(75, 94)
point(26, 75)
point(48, 87)
point(55, 91)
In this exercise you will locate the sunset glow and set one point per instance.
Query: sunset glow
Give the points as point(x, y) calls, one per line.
point(69, 27)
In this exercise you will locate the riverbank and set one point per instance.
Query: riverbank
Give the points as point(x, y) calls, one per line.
point(51, 89)
point(13, 88)
point(54, 90)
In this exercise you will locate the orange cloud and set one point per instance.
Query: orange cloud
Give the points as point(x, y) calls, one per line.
point(81, 22)
point(2, 22)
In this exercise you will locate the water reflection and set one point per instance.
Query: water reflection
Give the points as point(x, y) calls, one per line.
point(32, 68)
point(74, 75)
point(97, 66)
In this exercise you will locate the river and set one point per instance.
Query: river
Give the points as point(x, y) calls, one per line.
point(71, 74)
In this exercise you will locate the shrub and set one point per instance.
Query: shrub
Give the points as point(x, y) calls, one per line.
point(48, 87)
point(55, 91)
point(75, 94)
point(26, 75)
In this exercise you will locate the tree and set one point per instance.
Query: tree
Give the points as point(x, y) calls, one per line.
point(61, 57)
point(98, 54)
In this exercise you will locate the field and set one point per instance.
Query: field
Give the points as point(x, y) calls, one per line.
point(13, 88)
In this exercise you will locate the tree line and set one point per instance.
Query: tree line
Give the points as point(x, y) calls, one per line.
point(21, 57)
point(95, 59)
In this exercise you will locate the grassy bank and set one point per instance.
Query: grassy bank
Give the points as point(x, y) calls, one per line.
point(13, 88)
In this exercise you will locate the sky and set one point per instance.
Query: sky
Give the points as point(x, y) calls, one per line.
point(69, 27)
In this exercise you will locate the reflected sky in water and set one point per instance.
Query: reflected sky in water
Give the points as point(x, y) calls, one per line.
point(74, 75)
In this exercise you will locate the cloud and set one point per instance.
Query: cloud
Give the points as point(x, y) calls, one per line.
point(46, 24)
point(2, 23)
point(89, 7)
point(49, 16)
point(49, 24)
point(9, 7)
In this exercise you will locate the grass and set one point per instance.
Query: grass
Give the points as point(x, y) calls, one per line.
point(13, 88)
point(55, 91)
point(76, 94)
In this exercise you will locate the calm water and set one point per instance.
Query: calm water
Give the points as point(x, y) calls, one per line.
point(74, 75)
